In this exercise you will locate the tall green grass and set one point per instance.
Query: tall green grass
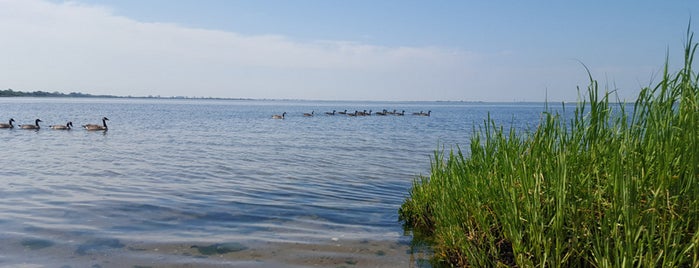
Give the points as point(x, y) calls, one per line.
point(606, 187)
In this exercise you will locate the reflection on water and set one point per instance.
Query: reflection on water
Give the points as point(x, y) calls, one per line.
point(206, 171)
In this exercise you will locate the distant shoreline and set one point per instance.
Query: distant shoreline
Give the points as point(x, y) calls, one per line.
point(9, 93)
point(56, 94)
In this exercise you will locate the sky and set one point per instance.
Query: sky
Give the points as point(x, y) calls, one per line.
point(387, 50)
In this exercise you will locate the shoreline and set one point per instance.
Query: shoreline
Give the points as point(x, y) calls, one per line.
point(116, 253)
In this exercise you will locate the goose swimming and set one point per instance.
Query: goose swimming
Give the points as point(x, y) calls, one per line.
point(308, 115)
point(8, 125)
point(276, 116)
point(93, 127)
point(34, 126)
point(67, 126)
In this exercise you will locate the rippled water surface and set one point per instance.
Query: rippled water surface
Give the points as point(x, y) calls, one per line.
point(209, 171)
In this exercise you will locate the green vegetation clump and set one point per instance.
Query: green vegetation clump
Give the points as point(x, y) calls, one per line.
point(599, 189)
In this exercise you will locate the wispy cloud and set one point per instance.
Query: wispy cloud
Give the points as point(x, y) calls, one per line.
point(76, 47)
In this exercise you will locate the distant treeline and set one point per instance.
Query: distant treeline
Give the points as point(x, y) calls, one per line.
point(12, 93)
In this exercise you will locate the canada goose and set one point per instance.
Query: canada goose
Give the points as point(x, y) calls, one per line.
point(92, 127)
point(401, 113)
point(384, 112)
point(426, 114)
point(8, 125)
point(67, 126)
point(276, 116)
point(353, 114)
point(345, 112)
point(307, 114)
point(329, 113)
point(34, 126)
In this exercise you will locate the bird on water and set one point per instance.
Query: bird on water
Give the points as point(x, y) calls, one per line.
point(67, 126)
point(8, 125)
point(34, 126)
point(93, 127)
point(276, 116)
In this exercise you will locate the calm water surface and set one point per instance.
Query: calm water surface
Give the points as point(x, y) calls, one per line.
point(174, 171)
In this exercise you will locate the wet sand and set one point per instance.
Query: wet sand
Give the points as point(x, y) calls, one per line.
point(114, 253)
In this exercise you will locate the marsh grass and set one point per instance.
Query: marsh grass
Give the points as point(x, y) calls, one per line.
point(600, 189)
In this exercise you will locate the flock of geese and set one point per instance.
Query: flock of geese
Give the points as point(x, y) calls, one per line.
point(357, 113)
point(67, 126)
point(97, 127)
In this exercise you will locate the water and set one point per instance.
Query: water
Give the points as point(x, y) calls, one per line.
point(212, 171)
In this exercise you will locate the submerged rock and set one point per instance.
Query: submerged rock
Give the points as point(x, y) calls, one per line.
point(98, 245)
point(220, 248)
point(35, 244)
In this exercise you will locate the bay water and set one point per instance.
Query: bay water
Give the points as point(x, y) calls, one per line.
point(214, 172)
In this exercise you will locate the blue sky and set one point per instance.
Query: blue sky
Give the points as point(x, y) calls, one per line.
point(340, 50)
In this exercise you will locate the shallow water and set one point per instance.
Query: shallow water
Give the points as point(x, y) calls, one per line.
point(172, 172)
